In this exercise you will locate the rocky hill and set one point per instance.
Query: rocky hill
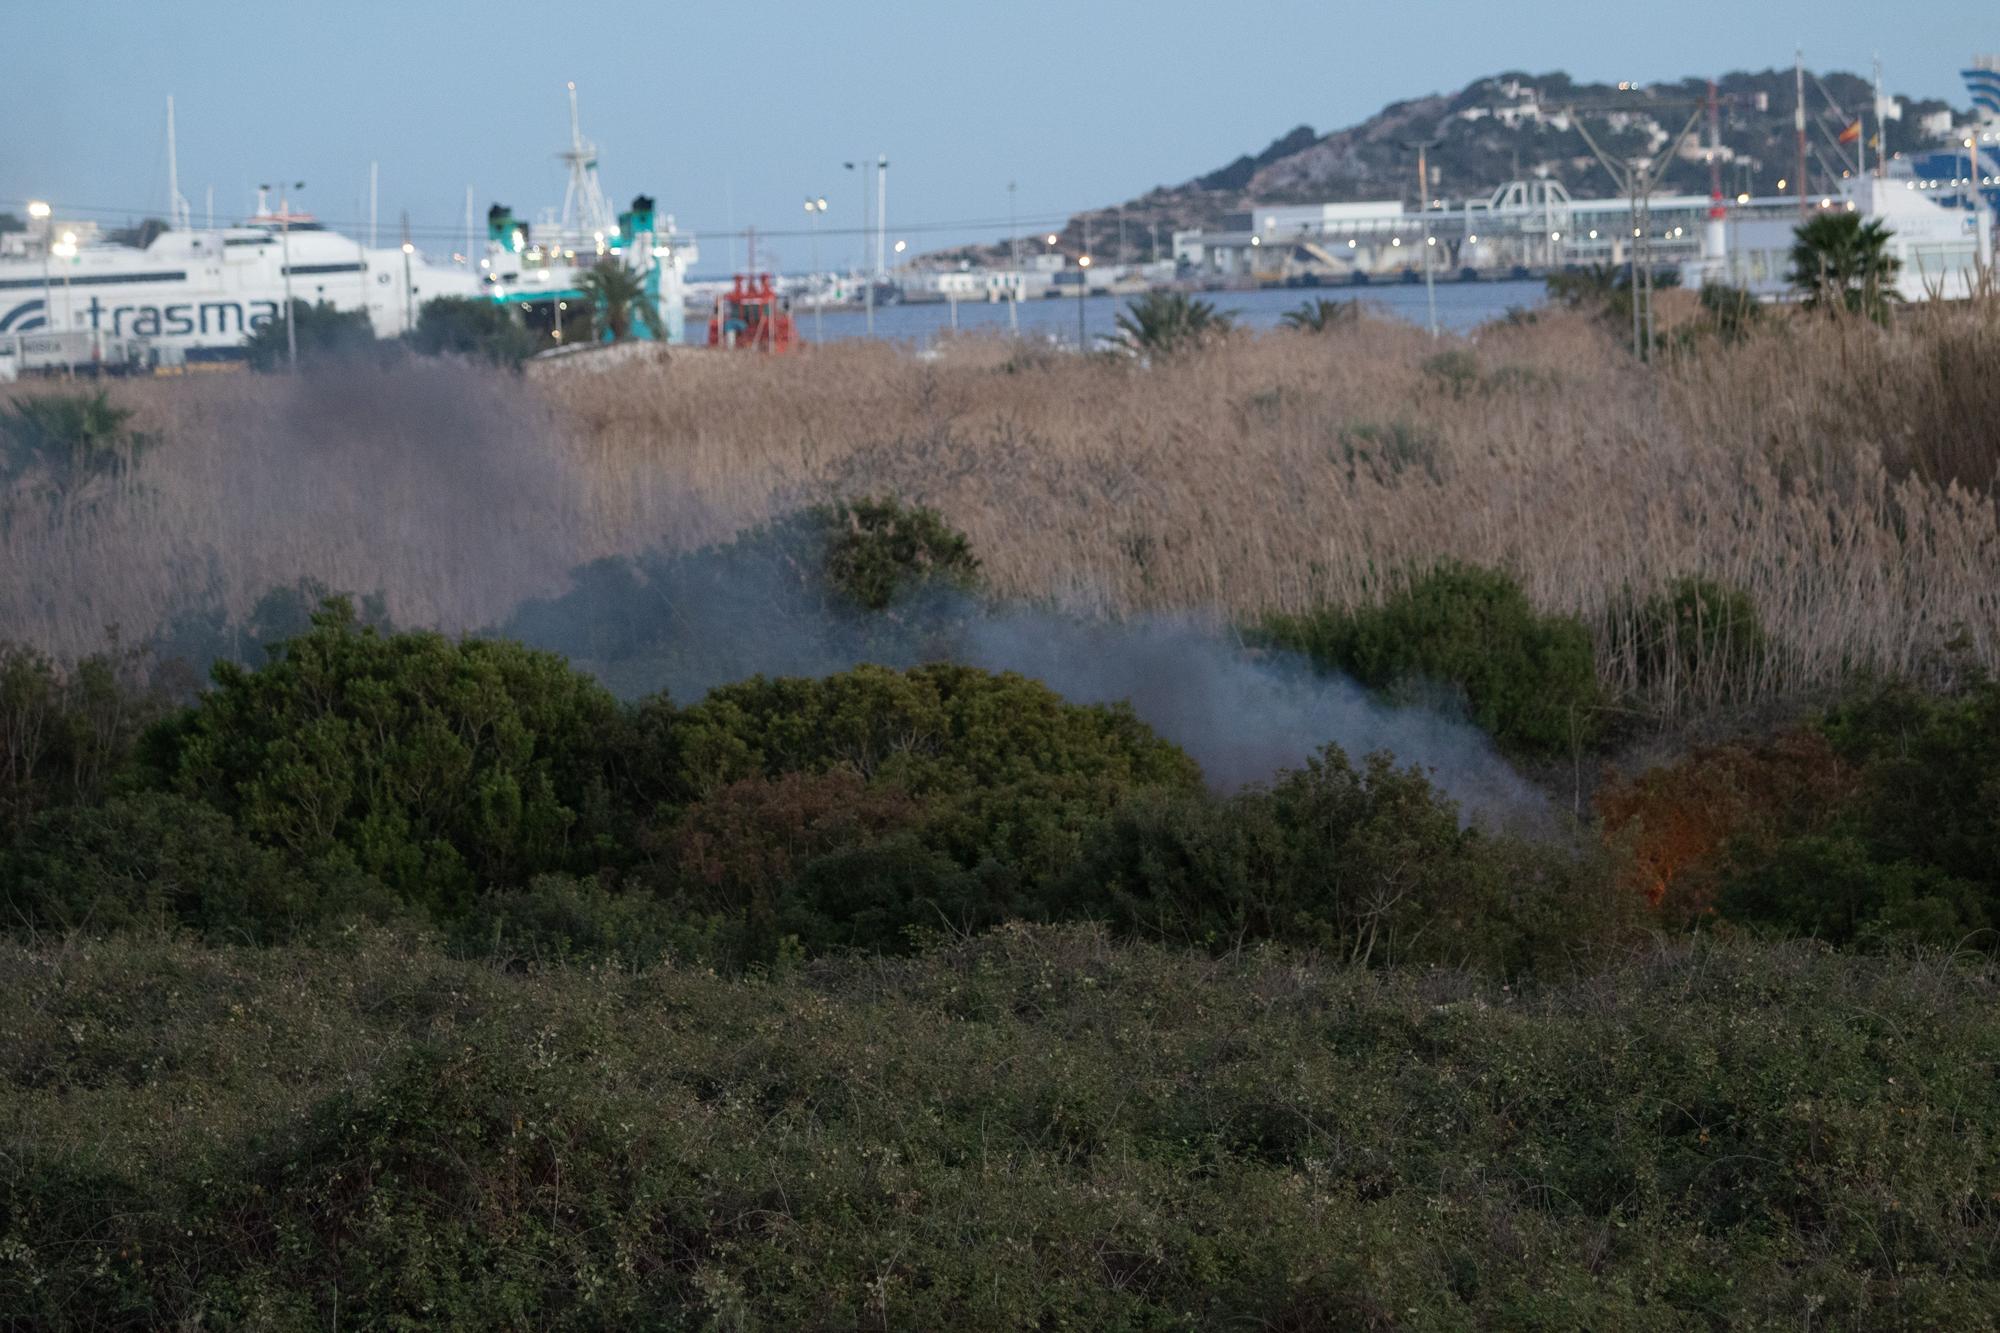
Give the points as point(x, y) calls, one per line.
point(1508, 127)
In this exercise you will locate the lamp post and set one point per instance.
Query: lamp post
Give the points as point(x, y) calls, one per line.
point(816, 205)
point(861, 269)
point(1082, 294)
point(38, 209)
point(285, 262)
point(65, 249)
point(409, 316)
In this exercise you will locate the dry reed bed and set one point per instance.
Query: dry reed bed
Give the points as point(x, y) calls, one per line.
point(1273, 472)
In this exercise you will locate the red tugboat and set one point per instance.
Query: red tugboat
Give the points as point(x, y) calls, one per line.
point(751, 315)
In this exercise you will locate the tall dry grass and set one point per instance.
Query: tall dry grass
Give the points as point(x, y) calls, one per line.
point(1840, 474)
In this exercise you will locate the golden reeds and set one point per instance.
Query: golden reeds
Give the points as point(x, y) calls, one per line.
point(1838, 473)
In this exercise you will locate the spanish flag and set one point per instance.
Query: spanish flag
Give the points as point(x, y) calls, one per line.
point(1851, 133)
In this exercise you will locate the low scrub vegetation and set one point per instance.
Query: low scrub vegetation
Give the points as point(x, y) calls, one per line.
point(1037, 1128)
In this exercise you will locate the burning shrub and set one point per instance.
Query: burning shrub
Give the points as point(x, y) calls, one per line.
point(1529, 680)
point(1682, 822)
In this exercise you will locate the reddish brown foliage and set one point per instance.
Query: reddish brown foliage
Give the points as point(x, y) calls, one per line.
point(1681, 817)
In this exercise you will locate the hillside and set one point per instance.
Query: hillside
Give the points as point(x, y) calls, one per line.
point(1506, 127)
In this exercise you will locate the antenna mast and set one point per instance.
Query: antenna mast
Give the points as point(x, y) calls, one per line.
point(585, 208)
point(178, 210)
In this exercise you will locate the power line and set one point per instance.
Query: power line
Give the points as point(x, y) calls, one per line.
point(1032, 222)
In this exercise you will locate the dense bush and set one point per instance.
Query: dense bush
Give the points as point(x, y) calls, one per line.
point(434, 766)
point(878, 551)
point(1367, 863)
point(325, 336)
point(65, 732)
point(1528, 679)
point(1035, 1129)
point(153, 861)
point(475, 328)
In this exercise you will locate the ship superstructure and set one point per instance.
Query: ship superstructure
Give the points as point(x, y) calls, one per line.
point(540, 264)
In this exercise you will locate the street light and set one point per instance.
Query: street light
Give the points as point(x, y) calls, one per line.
point(861, 269)
point(409, 317)
point(285, 262)
point(65, 249)
point(816, 205)
point(39, 210)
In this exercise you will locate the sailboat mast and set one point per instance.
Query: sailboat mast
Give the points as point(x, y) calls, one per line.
point(1799, 125)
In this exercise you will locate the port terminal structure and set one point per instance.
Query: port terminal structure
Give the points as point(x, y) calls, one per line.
point(1525, 228)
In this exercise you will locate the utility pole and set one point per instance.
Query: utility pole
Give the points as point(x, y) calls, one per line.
point(409, 290)
point(374, 180)
point(1423, 147)
point(881, 216)
point(1637, 179)
point(285, 262)
point(1013, 266)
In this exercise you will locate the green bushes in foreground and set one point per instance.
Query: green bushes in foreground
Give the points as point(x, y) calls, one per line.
point(1035, 1129)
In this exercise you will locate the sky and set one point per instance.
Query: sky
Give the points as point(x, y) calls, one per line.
point(731, 115)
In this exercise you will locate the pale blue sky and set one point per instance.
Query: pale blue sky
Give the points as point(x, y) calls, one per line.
point(732, 113)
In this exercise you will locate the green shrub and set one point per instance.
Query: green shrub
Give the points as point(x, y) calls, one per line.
point(1529, 680)
point(158, 861)
point(1914, 853)
point(472, 327)
point(324, 334)
point(431, 765)
point(1835, 889)
point(65, 733)
point(1367, 863)
point(878, 551)
point(1009, 777)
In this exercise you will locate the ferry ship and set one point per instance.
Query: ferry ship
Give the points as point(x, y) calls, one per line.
point(199, 293)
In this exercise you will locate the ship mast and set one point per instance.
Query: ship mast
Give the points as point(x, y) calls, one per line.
point(178, 209)
point(585, 208)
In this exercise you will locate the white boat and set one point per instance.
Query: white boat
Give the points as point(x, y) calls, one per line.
point(198, 293)
point(201, 293)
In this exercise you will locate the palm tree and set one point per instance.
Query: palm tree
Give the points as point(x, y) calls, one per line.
point(616, 292)
point(1321, 315)
point(1164, 323)
point(1839, 261)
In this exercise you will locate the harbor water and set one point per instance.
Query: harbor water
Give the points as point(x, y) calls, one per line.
point(1461, 306)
